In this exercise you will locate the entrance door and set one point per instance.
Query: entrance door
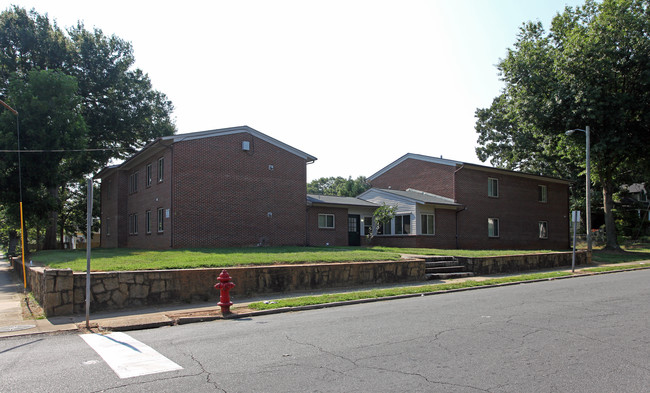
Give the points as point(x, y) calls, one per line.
point(354, 230)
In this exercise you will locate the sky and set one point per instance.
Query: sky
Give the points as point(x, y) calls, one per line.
point(355, 83)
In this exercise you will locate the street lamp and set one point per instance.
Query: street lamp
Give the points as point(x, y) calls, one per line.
point(588, 181)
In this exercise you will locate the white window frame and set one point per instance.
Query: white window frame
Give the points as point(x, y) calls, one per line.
point(425, 218)
point(147, 222)
point(326, 223)
point(543, 225)
point(399, 224)
point(386, 228)
point(493, 227)
point(133, 183)
point(161, 218)
point(366, 222)
point(542, 193)
point(161, 169)
point(493, 187)
point(133, 224)
point(149, 175)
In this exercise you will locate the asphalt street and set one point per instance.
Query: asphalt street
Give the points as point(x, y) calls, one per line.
point(586, 334)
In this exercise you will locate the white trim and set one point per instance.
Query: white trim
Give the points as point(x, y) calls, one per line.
point(327, 215)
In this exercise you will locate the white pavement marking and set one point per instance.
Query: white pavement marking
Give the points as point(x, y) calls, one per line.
point(127, 356)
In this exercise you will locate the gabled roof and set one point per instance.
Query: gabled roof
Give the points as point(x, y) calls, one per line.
point(163, 142)
point(422, 197)
point(415, 196)
point(435, 160)
point(238, 130)
point(337, 200)
point(460, 164)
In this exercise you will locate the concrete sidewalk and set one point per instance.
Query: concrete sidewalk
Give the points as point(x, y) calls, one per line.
point(12, 322)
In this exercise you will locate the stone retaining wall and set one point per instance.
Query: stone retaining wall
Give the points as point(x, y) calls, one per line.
point(522, 263)
point(62, 292)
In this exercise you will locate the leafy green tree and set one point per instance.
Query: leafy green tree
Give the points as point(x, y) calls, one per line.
point(115, 102)
point(382, 216)
point(592, 68)
point(73, 217)
point(338, 186)
point(53, 123)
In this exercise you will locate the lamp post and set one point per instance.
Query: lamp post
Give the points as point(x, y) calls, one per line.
point(588, 183)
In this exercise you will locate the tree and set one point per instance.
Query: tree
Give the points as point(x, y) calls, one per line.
point(338, 186)
point(592, 68)
point(54, 122)
point(116, 102)
point(382, 216)
point(73, 217)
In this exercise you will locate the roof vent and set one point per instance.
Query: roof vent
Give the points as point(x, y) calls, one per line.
point(245, 145)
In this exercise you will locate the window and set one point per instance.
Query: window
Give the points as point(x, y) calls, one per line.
point(543, 230)
point(133, 224)
point(493, 227)
point(161, 216)
point(147, 221)
point(367, 225)
point(384, 228)
point(352, 225)
point(149, 170)
point(542, 194)
point(326, 221)
point(427, 224)
point(403, 225)
point(109, 189)
point(161, 169)
point(133, 183)
point(493, 187)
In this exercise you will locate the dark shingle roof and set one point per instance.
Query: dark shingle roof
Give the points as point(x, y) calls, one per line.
point(337, 200)
point(423, 197)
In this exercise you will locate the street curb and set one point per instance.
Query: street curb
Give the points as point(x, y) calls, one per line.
point(174, 321)
point(411, 295)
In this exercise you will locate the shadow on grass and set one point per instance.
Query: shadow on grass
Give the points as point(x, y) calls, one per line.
point(621, 256)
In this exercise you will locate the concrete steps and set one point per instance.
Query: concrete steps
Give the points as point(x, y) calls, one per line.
point(444, 268)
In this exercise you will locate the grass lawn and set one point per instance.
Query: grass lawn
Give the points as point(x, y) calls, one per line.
point(377, 293)
point(463, 253)
point(628, 254)
point(128, 259)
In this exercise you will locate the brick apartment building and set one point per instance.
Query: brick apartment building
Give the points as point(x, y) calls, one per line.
point(478, 207)
point(237, 187)
point(219, 188)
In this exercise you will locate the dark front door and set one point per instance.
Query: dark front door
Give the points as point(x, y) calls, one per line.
point(354, 230)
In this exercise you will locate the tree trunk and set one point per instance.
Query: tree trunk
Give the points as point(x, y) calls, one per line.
point(14, 241)
point(610, 225)
point(50, 231)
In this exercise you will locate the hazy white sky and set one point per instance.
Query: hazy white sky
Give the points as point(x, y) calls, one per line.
point(357, 84)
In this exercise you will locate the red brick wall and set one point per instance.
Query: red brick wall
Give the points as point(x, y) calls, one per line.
point(151, 198)
point(517, 209)
point(321, 236)
point(224, 196)
point(113, 210)
point(420, 175)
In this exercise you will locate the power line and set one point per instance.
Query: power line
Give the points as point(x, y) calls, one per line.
point(58, 151)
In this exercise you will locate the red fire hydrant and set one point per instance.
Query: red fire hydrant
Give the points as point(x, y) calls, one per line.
point(224, 285)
